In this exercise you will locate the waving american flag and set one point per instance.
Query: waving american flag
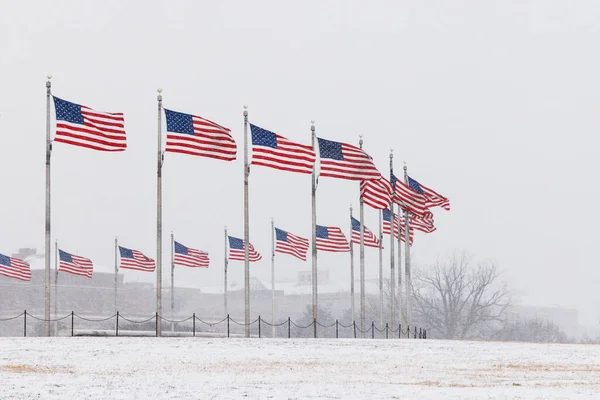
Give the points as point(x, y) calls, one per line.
point(370, 239)
point(331, 238)
point(188, 257)
point(236, 250)
point(14, 268)
point(288, 243)
point(433, 199)
point(81, 126)
point(75, 265)
point(134, 259)
point(275, 151)
point(197, 136)
point(344, 161)
point(376, 193)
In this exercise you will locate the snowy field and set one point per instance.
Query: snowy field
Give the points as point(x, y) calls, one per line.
point(200, 368)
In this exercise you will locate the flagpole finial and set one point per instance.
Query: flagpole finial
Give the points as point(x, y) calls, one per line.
point(49, 76)
point(312, 125)
point(245, 110)
point(159, 91)
point(405, 167)
point(360, 140)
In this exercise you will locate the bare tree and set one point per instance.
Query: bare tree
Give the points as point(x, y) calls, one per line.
point(457, 300)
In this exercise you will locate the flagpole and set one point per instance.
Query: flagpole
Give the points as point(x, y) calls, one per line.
point(351, 269)
point(380, 270)
point(159, 218)
point(48, 220)
point(392, 259)
point(400, 294)
point(314, 234)
point(225, 275)
point(273, 275)
point(116, 272)
point(407, 257)
point(362, 257)
point(246, 229)
point(56, 287)
point(172, 283)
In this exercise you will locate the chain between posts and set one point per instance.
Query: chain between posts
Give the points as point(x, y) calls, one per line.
point(415, 333)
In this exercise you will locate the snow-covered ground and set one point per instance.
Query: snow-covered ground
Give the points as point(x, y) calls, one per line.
point(201, 368)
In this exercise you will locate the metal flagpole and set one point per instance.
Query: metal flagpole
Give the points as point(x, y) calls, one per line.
point(392, 259)
point(225, 275)
point(56, 287)
point(116, 272)
point(246, 229)
point(400, 294)
point(407, 258)
point(314, 233)
point(48, 274)
point(273, 276)
point(362, 258)
point(172, 283)
point(351, 269)
point(380, 270)
point(159, 218)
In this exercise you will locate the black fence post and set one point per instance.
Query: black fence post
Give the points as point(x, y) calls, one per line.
point(387, 331)
point(354, 328)
point(156, 316)
point(336, 329)
point(25, 324)
point(315, 326)
point(228, 325)
point(420, 333)
point(399, 331)
point(289, 327)
point(259, 326)
point(415, 333)
point(194, 324)
point(372, 329)
point(424, 333)
point(117, 325)
point(408, 331)
point(72, 322)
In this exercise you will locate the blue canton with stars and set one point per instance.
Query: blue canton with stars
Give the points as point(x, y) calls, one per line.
point(181, 249)
point(281, 234)
point(179, 122)
point(355, 224)
point(263, 137)
point(322, 232)
point(414, 185)
point(125, 253)
point(64, 256)
point(386, 214)
point(4, 260)
point(67, 111)
point(330, 149)
point(235, 243)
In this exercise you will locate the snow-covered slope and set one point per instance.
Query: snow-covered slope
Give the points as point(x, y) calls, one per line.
point(200, 368)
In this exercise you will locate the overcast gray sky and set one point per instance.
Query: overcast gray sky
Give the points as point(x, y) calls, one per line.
point(492, 103)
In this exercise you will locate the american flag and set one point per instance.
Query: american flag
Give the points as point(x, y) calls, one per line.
point(190, 134)
point(189, 257)
point(75, 265)
point(344, 161)
point(376, 193)
point(433, 199)
point(14, 268)
point(236, 250)
point(288, 243)
point(407, 198)
point(370, 239)
point(81, 126)
point(423, 224)
point(275, 151)
point(387, 226)
point(331, 238)
point(133, 259)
